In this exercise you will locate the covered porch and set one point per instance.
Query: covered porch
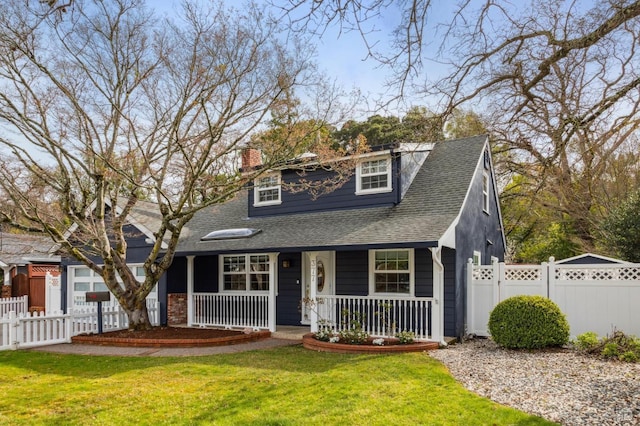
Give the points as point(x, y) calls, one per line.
point(307, 286)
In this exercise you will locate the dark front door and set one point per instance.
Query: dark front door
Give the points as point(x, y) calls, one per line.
point(288, 291)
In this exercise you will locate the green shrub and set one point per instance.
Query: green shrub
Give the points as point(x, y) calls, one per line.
point(614, 346)
point(586, 341)
point(406, 337)
point(629, 356)
point(610, 350)
point(528, 322)
point(355, 334)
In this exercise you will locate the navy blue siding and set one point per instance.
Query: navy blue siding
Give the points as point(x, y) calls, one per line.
point(289, 291)
point(590, 260)
point(341, 198)
point(452, 308)
point(205, 274)
point(475, 231)
point(423, 273)
point(177, 276)
point(352, 273)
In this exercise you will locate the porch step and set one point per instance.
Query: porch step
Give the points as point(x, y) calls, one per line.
point(290, 332)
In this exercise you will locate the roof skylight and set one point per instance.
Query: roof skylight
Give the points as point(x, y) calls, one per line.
point(230, 234)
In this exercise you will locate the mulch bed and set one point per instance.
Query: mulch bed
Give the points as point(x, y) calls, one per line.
point(171, 337)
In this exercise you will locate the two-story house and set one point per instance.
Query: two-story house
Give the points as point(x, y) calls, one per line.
point(389, 246)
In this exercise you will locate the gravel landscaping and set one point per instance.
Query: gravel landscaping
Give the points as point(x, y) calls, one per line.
point(560, 385)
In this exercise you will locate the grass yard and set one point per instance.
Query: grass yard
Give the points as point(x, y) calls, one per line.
point(284, 386)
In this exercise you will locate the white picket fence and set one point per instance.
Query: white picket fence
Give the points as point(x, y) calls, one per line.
point(594, 297)
point(25, 330)
point(18, 305)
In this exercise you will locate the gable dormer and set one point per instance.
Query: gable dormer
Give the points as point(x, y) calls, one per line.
point(380, 178)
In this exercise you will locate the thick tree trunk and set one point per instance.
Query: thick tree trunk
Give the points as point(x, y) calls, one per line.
point(138, 315)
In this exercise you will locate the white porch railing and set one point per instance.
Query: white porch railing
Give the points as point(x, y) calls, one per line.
point(378, 316)
point(231, 310)
point(16, 304)
point(30, 330)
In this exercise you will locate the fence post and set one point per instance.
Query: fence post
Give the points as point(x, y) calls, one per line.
point(13, 330)
point(68, 325)
point(25, 303)
point(551, 278)
point(497, 278)
point(470, 298)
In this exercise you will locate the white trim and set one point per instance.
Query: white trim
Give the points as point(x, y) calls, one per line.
point(486, 179)
point(448, 238)
point(257, 189)
point(478, 255)
point(372, 284)
point(132, 221)
point(437, 308)
point(595, 256)
point(359, 176)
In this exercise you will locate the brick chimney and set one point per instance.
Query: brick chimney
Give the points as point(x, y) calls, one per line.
point(251, 158)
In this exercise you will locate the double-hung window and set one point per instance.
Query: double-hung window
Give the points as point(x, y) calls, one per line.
point(267, 190)
point(374, 176)
point(485, 192)
point(391, 271)
point(245, 272)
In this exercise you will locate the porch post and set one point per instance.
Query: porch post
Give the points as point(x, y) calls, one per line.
point(6, 274)
point(437, 309)
point(273, 284)
point(313, 289)
point(190, 290)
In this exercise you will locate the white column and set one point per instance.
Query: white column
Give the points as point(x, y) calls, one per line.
point(7, 275)
point(190, 275)
point(437, 310)
point(273, 290)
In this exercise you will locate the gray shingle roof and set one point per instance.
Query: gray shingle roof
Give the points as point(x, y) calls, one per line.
point(431, 204)
point(20, 249)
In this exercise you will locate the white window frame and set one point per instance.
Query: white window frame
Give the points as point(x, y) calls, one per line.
point(258, 188)
point(77, 298)
point(247, 272)
point(360, 174)
point(411, 271)
point(485, 191)
point(477, 258)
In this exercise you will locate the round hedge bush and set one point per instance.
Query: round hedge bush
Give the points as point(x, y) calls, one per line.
point(528, 322)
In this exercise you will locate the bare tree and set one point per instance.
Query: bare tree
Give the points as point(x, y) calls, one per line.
point(107, 106)
point(558, 85)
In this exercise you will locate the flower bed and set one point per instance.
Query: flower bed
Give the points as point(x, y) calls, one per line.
point(390, 345)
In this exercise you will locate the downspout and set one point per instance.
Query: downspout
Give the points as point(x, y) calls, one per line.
point(438, 296)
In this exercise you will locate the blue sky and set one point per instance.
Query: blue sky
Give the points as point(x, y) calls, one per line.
point(343, 55)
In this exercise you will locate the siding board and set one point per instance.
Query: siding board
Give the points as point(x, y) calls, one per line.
point(341, 198)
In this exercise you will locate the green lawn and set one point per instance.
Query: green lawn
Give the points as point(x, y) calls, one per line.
point(284, 386)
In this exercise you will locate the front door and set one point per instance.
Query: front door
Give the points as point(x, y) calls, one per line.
point(319, 268)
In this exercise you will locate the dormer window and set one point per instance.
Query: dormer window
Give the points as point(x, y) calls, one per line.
point(267, 190)
point(373, 176)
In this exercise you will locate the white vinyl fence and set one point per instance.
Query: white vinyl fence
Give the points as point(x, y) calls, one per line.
point(25, 330)
point(595, 297)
